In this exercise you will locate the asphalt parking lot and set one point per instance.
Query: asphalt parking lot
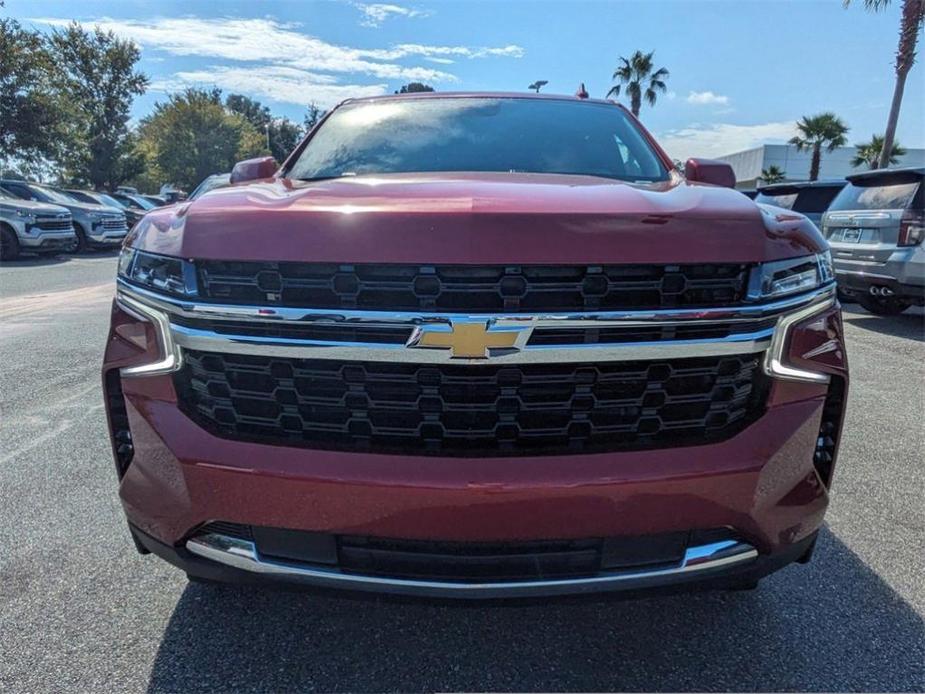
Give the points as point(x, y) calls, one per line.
point(81, 611)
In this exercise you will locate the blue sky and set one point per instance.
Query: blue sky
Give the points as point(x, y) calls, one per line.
point(742, 71)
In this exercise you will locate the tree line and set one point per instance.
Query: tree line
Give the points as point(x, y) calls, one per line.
point(66, 97)
point(65, 104)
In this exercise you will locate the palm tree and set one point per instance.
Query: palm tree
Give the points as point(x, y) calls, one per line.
point(539, 84)
point(641, 82)
point(772, 174)
point(822, 130)
point(869, 153)
point(913, 18)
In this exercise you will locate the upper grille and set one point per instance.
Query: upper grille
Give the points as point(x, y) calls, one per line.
point(466, 410)
point(472, 288)
point(54, 224)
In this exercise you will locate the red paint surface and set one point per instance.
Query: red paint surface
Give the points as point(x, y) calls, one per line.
point(761, 481)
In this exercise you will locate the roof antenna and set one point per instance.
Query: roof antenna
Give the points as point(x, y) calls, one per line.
point(582, 93)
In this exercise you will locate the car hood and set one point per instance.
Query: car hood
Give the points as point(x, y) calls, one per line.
point(34, 206)
point(476, 218)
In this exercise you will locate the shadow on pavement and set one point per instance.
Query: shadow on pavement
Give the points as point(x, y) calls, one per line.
point(909, 325)
point(830, 625)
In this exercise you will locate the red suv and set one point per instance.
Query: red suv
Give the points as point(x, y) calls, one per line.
point(476, 346)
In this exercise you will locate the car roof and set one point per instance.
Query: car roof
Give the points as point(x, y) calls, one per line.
point(796, 186)
point(910, 172)
point(483, 95)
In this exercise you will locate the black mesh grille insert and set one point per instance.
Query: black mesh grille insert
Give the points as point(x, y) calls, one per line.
point(462, 410)
point(118, 417)
point(829, 430)
point(472, 288)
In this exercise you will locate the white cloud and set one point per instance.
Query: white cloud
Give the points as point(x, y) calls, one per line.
point(275, 82)
point(282, 45)
point(718, 139)
point(374, 14)
point(708, 97)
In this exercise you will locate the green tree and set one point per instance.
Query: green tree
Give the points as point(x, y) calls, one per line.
point(815, 132)
point(313, 114)
point(913, 19)
point(281, 134)
point(193, 135)
point(413, 87)
point(641, 81)
point(772, 174)
point(539, 84)
point(96, 82)
point(870, 153)
point(284, 136)
point(29, 118)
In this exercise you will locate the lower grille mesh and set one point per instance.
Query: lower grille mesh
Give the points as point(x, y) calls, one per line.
point(464, 410)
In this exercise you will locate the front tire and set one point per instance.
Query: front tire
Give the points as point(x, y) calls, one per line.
point(81, 245)
point(883, 305)
point(9, 244)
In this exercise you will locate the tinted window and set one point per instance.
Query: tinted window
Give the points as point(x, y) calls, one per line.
point(884, 197)
point(21, 190)
point(479, 134)
point(785, 201)
point(815, 199)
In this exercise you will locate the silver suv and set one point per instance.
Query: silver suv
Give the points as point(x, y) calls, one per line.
point(96, 226)
point(33, 226)
point(875, 227)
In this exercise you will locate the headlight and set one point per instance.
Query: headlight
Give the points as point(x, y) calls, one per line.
point(785, 277)
point(97, 215)
point(159, 272)
point(28, 216)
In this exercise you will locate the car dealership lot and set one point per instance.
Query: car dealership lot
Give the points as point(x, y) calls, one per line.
point(81, 610)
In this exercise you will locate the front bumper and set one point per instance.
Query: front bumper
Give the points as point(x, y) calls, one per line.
point(38, 240)
point(761, 483)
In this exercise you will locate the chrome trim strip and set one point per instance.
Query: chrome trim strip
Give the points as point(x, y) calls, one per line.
point(774, 364)
point(172, 357)
point(243, 554)
point(191, 308)
point(758, 340)
point(208, 341)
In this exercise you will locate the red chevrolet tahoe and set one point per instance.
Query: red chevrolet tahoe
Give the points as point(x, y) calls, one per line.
point(476, 346)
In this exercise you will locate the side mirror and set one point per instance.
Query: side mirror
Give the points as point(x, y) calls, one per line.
point(253, 169)
point(717, 173)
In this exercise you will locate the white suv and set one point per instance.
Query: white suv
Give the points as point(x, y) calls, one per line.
point(38, 227)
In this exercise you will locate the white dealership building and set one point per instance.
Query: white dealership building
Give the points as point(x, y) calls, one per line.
point(795, 164)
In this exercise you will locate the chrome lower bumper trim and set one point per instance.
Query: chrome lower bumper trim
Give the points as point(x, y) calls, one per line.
point(700, 560)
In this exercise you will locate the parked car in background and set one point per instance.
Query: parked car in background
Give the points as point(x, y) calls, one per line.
point(875, 228)
point(210, 183)
point(131, 190)
point(36, 227)
point(750, 193)
point(132, 214)
point(155, 200)
point(96, 226)
point(136, 202)
point(497, 379)
point(811, 198)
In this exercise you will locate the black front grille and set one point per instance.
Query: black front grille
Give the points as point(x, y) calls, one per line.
point(472, 288)
point(54, 224)
point(463, 410)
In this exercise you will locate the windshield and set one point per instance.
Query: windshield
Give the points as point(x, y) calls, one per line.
point(51, 195)
point(479, 134)
point(785, 201)
point(140, 202)
point(884, 197)
point(109, 201)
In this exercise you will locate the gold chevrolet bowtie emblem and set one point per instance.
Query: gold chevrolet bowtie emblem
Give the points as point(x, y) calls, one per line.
point(468, 339)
